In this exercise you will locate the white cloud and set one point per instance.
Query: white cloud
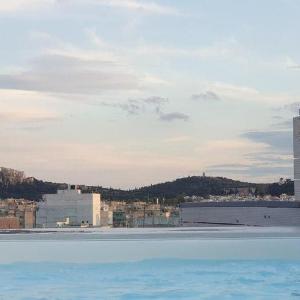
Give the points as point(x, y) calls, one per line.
point(231, 92)
point(228, 151)
point(21, 107)
point(227, 48)
point(70, 74)
point(9, 6)
point(178, 139)
point(291, 64)
point(27, 115)
point(205, 96)
point(140, 6)
point(173, 116)
point(66, 69)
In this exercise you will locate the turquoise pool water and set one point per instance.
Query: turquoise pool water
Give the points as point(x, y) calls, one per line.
point(152, 279)
point(151, 264)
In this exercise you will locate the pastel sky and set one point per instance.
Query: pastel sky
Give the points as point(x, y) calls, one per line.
point(126, 93)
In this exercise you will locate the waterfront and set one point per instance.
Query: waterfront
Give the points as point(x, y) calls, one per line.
point(206, 263)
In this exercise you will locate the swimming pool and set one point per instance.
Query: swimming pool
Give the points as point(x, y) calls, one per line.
point(205, 263)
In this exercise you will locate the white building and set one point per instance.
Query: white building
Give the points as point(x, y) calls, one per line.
point(249, 213)
point(297, 157)
point(69, 207)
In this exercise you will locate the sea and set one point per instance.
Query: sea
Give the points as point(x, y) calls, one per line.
point(160, 263)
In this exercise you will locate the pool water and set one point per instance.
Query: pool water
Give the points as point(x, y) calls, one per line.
point(152, 279)
point(207, 264)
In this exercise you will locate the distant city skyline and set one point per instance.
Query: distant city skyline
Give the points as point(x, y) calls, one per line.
point(126, 93)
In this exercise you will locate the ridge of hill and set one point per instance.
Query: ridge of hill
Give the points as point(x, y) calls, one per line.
point(14, 184)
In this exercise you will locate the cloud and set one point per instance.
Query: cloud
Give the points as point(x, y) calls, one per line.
point(277, 117)
point(266, 156)
point(29, 119)
point(288, 124)
point(132, 107)
point(277, 140)
point(154, 105)
point(242, 159)
point(173, 116)
point(65, 69)
point(262, 173)
point(131, 5)
point(28, 116)
point(139, 105)
point(139, 6)
point(262, 165)
point(259, 159)
point(228, 48)
point(229, 166)
point(207, 96)
point(178, 139)
point(232, 145)
point(269, 158)
point(26, 109)
point(18, 5)
point(155, 100)
point(231, 92)
point(291, 64)
point(70, 75)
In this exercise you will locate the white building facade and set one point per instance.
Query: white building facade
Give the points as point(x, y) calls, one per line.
point(240, 213)
point(70, 208)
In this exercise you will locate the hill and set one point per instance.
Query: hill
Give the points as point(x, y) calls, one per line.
point(14, 184)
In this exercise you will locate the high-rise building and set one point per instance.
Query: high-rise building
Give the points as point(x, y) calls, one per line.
point(296, 142)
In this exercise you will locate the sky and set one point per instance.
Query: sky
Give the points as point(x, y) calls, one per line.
point(127, 93)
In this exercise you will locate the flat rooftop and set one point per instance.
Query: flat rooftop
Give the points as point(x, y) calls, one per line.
point(247, 203)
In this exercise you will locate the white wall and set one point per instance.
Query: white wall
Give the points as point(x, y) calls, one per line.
point(253, 216)
point(96, 209)
point(69, 204)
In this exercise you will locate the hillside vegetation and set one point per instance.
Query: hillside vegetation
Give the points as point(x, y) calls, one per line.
point(14, 184)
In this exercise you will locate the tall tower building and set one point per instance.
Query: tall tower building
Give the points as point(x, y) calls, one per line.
point(296, 142)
